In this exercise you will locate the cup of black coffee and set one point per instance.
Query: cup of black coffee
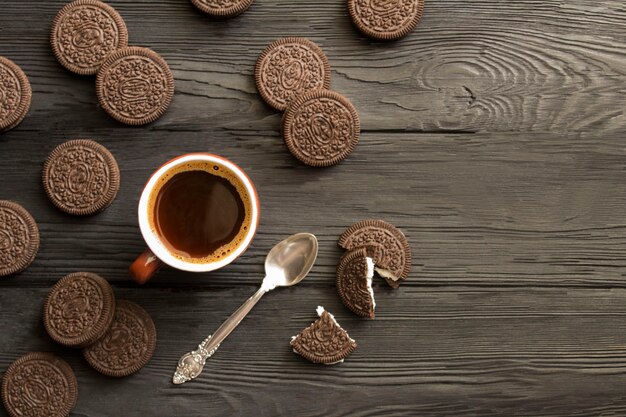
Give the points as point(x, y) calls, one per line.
point(198, 212)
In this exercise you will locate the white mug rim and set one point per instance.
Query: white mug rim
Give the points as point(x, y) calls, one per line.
point(154, 242)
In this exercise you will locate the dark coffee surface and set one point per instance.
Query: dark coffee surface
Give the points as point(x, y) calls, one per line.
point(197, 213)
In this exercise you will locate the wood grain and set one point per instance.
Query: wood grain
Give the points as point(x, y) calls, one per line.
point(482, 65)
point(492, 136)
point(478, 209)
point(441, 352)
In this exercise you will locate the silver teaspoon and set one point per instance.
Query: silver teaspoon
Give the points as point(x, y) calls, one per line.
point(287, 264)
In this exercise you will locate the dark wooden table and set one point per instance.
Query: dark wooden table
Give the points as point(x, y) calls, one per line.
point(493, 135)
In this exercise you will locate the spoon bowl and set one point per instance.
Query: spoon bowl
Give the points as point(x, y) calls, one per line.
point(290, 260)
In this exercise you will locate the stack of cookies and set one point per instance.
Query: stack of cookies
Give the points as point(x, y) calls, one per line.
point(117, 338)
point(373, 246)
point(134, 85)
point(320, 127)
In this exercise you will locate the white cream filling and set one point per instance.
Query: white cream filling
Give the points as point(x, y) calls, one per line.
point(369, 276)
point(385, 273)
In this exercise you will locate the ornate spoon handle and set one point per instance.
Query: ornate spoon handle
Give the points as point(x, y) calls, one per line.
point(190, 365)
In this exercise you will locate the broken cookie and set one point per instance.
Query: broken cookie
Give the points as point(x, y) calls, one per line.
point(385, 244)
point(324, 341)
point(354, 282)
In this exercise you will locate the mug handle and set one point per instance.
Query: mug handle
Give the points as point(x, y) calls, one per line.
point(144, 267)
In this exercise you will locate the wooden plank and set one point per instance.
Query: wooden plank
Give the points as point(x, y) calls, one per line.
point(442, 352)
point(516, 302)
point(484, 209)
point(469, 66)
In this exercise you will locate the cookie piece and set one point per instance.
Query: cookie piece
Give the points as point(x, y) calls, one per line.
point(15, 94)
point(288, 68)
point(324, 341)
point(127, 346)
point(39, 384)
point(135, 85)
point(385, 20)
point(19, 238)
point(84, 32)
point(354, 282)
point(321, 128)
point(385, 244)
point(79, 309)
point(81, 177)
point(222, 9)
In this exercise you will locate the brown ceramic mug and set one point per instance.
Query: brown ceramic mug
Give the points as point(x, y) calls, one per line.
point(198, 212)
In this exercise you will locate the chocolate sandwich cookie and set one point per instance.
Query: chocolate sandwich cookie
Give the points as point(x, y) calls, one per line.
point(385, 244)
point(135, 85)
point(39, 384)
point(321, 128)
point(127, 346)
point(385, 20)
point(354, 282)
point(79, 309)
point(81, 177)
point(15, 94)
point(222, 9)
point(19, 238)
point(288, 68)
point(324, 341)
point(84, 32)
